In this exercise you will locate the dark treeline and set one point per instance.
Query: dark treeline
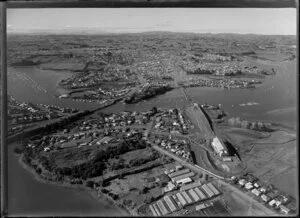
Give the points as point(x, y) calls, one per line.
point(97, 165)
point(52, 125)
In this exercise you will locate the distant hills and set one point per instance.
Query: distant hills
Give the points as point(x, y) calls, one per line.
point(95, 31)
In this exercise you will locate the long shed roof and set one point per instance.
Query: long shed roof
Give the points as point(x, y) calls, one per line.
point(190, 174)
point(177, 173)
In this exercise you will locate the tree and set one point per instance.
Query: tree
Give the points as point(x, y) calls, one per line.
point(154, 110)
point(115, 197)
point(38, 170)
point(66, 171)
point(90, 184)
point(18, 150)
point(144, 190)
point(105, 191)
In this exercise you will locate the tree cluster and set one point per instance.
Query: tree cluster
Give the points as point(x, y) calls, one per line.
point(143, 160)
point(97, 165)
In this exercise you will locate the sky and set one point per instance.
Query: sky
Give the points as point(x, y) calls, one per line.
point(268, 21)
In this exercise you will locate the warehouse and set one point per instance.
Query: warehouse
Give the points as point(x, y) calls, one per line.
point(194, 195)
point(173, 200)
point(176, 200)
point(213, 188)
point(170, 187)
point(200, 207)
point(178, 167)
point(177, 178)
point(207, 190)
point(156, 209)
point(184, 181)
point(187, 197)
point(227, 159)
point(170, 203)
point(178, 173)
point(152, 210)
point(162, 207)
point(218, 147)
point(189, 186)
point(200, 193)
point(181, 199)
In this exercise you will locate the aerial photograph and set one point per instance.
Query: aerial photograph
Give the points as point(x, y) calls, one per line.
point(152, 112)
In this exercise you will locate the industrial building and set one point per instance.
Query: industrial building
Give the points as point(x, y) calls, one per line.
point(200, 193)
point(177, 178)
point(188, 194)
point(153, 210)
point(178, 173)
point(170, 203)
point(207, 190)
point(188, 199)
point(213, 188)
point(218, 146)
point(177, 201)
point(189, 186)
point(172, 198)
point(194, 195)
point(170, 187)
point(181, 199)
point(184, 181)
point(227, 159)
point(155, 207)
point(202, 206)
point(162, 208)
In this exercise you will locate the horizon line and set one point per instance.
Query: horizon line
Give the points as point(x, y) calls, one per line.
point(41, 32)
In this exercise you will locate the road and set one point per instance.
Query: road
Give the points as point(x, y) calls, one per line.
point(185, 163)
point(182, 136)
point(184, 94)
point(252, 201)
point(220, 180)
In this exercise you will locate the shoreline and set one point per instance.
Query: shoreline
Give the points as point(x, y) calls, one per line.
point(100, 197)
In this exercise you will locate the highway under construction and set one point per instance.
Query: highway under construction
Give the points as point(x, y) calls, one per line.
point(198, 117)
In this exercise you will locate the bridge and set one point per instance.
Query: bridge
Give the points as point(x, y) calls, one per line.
point(187, 98)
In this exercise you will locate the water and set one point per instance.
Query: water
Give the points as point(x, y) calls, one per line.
point(276, 93)
point(28, 196)
point(40, 86)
